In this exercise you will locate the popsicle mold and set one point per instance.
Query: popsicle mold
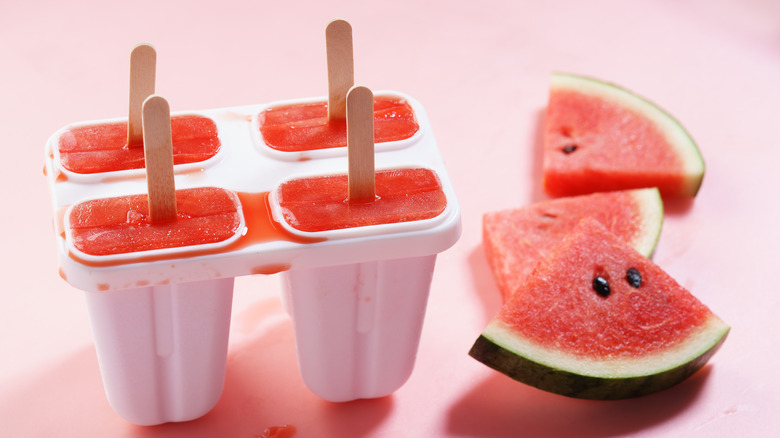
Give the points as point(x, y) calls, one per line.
point(357, 326)
point(162, 349)
point(356, 295)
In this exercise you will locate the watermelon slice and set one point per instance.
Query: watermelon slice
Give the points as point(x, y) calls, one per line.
point(516, 240)
point(597, 320)
point(600, 137)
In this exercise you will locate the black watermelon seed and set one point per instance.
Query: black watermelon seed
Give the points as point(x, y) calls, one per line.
point(569, 148)
point(601, 286)
point(633, 277)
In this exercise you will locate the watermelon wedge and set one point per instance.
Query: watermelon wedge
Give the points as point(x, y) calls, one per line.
point(516, 240)
point(600, 137)
point(597, 320)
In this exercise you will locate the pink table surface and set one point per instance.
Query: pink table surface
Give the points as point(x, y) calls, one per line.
point(481, 69)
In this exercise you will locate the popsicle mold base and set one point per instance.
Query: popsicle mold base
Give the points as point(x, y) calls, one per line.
point(373, 312)
point(162, 349)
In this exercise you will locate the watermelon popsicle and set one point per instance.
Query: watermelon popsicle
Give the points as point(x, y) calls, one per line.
point(161, 347)
point(357, 325)
point(95, 149)
point(86, 149)
point(321, 125)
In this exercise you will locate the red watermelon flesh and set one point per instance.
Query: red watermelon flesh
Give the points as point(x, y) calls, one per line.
point(601, 137)
point(516, 240)
point(560, 334)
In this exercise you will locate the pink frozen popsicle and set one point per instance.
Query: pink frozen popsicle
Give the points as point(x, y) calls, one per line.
point(357, 325)
point(103, 148)
point(319, 203)
point(322, 125)
point(118, 146)
point(161, 347)
point(122, 224)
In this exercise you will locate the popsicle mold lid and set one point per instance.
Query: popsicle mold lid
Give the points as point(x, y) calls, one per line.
point(252, 171)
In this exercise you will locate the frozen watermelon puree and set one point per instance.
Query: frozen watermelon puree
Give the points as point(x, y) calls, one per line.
point(558, 308)
point(104, 148)
point(121, 225)
point(614, 148)
point(303, 127)
point(320, 203)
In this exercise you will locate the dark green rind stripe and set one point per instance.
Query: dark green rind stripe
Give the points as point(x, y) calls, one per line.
point(574, 385)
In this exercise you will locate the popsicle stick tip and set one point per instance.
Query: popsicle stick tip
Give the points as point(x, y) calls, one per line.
point(338, 25)
point(145, 48)
point(156, 101)
point(360, 91)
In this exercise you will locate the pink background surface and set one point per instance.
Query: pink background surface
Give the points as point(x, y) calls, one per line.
point(481, 70)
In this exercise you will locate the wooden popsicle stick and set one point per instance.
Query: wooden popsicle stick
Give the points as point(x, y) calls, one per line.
point(143, 64)
point(341, 76)
point(158, 155)
point(360, 144)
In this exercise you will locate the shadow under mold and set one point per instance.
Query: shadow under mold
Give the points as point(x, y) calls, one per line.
point(263, 388)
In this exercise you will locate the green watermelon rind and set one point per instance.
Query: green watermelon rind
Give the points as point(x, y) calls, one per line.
point(556, 372)
point(676, 134)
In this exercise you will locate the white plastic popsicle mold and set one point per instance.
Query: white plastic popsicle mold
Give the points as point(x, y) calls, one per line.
point(162, 349)
point(373, 314)
point(357, 296)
